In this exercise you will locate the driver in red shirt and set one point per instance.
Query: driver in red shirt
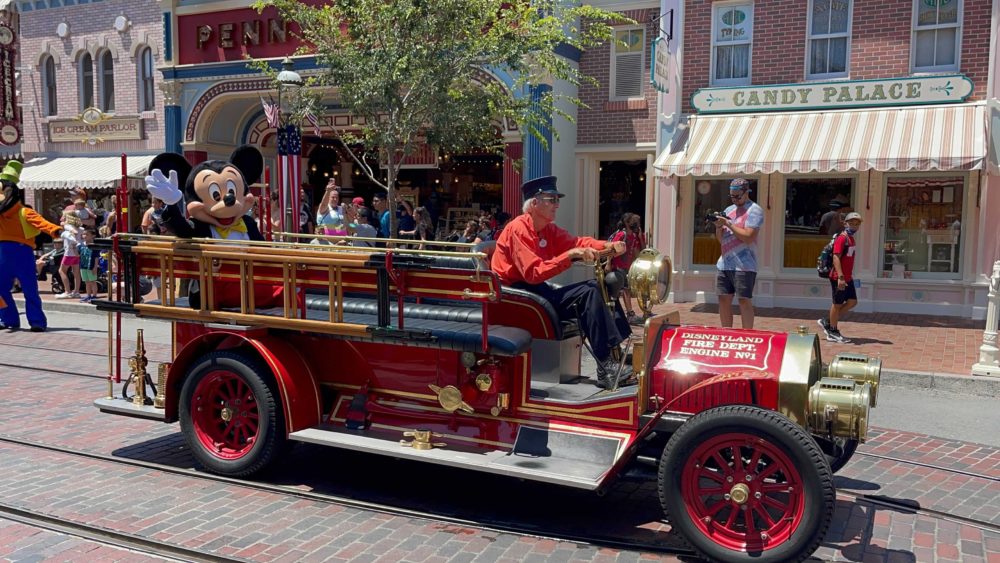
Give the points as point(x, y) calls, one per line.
point(532, 249)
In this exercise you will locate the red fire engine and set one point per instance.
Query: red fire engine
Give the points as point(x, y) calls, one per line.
point(423, 355)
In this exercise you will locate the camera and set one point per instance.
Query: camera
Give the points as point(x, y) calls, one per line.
point(713, 216)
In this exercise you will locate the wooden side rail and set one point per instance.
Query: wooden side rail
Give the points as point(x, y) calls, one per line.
point(229, 273)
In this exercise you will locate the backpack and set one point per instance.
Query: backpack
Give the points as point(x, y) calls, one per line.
point(824, 262)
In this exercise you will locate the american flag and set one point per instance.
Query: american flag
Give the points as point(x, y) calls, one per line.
point(271, 110)
point(314, 121)
point(289, 174)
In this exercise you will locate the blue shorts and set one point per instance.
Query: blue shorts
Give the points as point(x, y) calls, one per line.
point(730, 282)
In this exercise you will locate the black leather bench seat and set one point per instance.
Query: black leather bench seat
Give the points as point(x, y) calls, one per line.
point(447, 334)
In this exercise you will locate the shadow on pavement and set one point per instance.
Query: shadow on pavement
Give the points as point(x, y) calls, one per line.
point(852, 538)
point(628, 512)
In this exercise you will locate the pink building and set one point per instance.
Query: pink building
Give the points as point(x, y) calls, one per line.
point(827, 107)
point(89, 92)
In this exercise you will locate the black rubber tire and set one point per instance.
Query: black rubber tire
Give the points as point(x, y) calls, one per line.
point(838, 462)
point(272, 436)
point(805, 455)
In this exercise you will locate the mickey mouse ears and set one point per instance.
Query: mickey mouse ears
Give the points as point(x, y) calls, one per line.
point(165, 162)
point(249, 161)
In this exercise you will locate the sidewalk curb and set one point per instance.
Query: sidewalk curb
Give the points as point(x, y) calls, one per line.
point(979, 386)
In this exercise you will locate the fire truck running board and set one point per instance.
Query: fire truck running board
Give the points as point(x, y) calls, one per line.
point(128, 408)
point(564, 458)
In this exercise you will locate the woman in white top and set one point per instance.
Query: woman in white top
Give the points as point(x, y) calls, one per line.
point(330, 215)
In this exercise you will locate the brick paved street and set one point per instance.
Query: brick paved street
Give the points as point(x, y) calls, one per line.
point(56, 409)
point(20, 542)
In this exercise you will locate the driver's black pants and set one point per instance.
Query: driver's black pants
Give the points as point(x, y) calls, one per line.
point(582, 302)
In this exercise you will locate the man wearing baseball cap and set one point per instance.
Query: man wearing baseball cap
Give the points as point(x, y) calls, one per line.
point(736, 230)
point(845, 296)
point(531, 249)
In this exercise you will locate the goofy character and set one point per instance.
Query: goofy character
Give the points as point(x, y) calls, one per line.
point(218, 202)
point(19, 225)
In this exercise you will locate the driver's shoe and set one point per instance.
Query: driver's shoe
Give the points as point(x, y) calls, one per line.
point(607, 370)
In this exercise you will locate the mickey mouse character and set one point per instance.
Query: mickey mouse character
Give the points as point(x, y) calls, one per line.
point(218, 205)
point(19, 225)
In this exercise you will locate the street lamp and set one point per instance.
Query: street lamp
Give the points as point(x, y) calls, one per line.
point(288, 80)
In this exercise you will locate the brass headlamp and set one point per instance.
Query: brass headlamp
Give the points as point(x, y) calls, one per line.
point(859, 368)
point(649, 278)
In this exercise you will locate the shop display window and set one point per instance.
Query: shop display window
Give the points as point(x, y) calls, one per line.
point(711, 195)
point(814, 211)
point(923, 227)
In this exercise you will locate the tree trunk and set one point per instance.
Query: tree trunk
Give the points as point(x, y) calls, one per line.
point(391, 191)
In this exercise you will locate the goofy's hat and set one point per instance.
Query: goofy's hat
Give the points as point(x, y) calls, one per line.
point(12, 172)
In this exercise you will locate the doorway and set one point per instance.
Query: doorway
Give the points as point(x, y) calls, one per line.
point(622, 190)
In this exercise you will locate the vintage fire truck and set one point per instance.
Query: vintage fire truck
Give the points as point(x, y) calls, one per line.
point(424, 355)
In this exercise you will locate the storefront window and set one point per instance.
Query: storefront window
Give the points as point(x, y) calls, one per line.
point(711, 196)
point(814, 212)
point(923, 227)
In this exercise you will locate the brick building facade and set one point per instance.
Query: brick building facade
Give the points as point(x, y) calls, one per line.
point(616, 134)
point(115, 46)
point(913, 163)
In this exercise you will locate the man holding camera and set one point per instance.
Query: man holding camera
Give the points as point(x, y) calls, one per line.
point(736, 231)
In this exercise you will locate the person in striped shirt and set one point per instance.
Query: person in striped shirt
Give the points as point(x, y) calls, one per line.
point(736, 230)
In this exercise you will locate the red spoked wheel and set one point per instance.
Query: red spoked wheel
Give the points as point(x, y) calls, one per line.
point(226, 418)
point(229, 415)
point(741, 483)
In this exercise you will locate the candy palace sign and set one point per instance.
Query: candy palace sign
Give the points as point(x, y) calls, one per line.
point(937, 89)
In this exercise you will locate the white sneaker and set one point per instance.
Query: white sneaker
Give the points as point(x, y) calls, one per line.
point(63, 296)
point(75, 295)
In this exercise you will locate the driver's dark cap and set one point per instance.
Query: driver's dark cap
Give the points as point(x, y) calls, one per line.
point(540, 186)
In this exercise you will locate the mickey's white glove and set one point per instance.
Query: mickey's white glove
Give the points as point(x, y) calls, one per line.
point(162, 187)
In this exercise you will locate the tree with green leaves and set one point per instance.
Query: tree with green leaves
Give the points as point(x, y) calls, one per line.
point(413, 69)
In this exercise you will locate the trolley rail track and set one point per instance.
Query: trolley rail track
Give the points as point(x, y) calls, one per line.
point(112, 538)
point(498, 526)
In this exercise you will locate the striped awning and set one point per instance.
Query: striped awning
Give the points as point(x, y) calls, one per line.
point(89, 172)
point(899, 139)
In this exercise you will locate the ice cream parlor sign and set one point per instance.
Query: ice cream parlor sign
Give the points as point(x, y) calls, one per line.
point(938, 89)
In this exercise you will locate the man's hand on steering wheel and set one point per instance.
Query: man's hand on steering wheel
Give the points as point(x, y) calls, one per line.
point(618, 247)
point(581, 253)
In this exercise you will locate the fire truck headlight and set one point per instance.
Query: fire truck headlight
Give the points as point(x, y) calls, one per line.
point(859, 368)
point(649, 278)
point(840, 407)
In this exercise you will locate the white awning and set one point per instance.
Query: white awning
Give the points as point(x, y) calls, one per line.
point(899, 139)
point(88, 172)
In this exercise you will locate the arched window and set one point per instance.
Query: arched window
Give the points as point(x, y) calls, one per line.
point(49, 103)
point(147, 99)
point(106, 68)
point(86, 81)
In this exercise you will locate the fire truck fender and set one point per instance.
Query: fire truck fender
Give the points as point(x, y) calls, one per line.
point(296, 385)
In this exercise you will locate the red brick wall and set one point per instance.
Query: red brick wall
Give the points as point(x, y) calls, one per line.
point(880, 42)
point(607, 122)
point(90, 26)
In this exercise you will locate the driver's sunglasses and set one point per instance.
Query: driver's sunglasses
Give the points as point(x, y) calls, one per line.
point(549, 200)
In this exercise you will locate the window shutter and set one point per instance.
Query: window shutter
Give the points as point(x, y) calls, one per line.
point(628, 75)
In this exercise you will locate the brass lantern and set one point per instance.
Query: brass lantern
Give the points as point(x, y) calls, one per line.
point(649, 278)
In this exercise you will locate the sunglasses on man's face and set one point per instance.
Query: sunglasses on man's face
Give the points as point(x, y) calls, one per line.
point(549, 200)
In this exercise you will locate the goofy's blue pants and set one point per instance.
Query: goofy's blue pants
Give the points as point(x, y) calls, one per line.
point(18, 261)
